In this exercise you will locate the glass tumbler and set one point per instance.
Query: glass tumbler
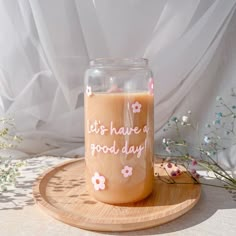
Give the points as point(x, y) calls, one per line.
point(119, 129)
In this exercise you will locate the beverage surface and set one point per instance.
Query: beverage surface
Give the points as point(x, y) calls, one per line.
point(119, 146)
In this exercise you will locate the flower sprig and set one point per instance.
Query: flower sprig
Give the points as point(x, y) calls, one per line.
point(220, 134)
point(9, 169)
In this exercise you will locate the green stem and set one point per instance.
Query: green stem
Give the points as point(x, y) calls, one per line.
point(226, 106)
point(218, 166)
point(215, 171)
point(228, 176)
point(228, 183)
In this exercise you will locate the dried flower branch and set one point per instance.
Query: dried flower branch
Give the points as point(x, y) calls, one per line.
point(9, 169)
point(220, 135)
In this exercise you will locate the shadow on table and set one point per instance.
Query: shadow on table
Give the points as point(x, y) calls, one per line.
point(21, 195)
point(212, 199)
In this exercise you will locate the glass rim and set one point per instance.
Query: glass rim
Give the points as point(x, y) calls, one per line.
point(119, 62)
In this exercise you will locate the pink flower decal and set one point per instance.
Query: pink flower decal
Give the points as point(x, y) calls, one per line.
point(151, 86)
point(136, 107)
point(98, 181)
point(127, 171)
point(89, 91)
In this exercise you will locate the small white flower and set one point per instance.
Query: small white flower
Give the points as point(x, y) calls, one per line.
point(219, 98)
point(185, 119)
point(127, 171)
point(164, 140)
point(136, 107)
point(89, 91)
point(207, 139)
point(98, 181)
point(208, 153)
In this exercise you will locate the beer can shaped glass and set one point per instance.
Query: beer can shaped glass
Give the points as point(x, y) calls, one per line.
point(119, 129)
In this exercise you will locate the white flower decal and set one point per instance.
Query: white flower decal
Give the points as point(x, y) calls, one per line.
point(127, 171)
point(136, 107)
point(98, 181)
point(89, 91)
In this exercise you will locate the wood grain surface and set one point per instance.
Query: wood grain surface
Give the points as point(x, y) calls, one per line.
point(61, 192)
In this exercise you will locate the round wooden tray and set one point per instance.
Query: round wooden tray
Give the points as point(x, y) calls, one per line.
point(61, 192)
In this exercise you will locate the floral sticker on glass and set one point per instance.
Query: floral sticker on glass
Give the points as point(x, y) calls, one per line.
point(136, 107)
point(98, 181)
point(89, 91)
point(151, 86)
point(127, 171)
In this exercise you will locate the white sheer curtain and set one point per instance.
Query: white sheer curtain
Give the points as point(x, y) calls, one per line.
point(45, 46)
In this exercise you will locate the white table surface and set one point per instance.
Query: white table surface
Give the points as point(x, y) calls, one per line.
point(215, 213)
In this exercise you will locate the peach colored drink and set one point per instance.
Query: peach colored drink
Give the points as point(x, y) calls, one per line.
point(119, 146)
